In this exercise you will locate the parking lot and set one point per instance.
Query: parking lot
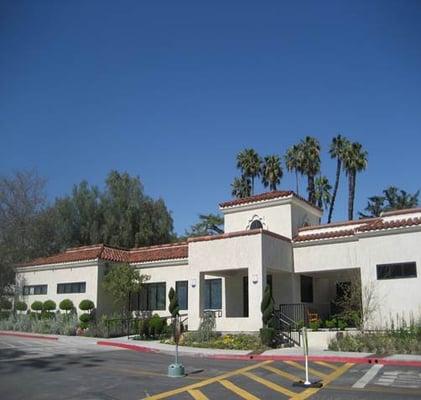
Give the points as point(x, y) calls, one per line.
point(80, 369)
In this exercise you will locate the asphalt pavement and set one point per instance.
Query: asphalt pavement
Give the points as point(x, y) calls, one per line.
point(46, 369)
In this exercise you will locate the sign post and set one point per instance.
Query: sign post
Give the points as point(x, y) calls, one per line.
point(307, 382)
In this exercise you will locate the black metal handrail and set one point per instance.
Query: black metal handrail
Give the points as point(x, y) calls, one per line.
point(287, 328)
point(297, 312)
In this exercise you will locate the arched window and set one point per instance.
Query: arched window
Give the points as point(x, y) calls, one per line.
point(256, 225)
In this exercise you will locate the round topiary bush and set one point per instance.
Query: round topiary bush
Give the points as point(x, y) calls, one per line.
point(66, 305)
point(86, 305)
point(85, 317)
point(36, 306)
point(21, 306)
point(49, 305)
point(5, 304)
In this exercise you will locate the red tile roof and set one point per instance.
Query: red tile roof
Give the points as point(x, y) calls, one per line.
point(108, 253)
point(265, 196)
point(237, 234)
point(380, 224)
point(324, 235)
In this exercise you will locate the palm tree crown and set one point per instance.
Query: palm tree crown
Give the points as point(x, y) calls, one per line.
point(271, 172)
point(249, 162)
point(241, 187)
point(310, 148)
point(294, 162)
point(323, 195)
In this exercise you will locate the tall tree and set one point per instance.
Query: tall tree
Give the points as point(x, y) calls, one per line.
point(323, 192)
point(310, 148)
point(393, 198)
point(271, 171)
point(241, 187)
point(209, 224)
point(355, 160)
point(249, 162)
point(337, 150)
point(294, 162)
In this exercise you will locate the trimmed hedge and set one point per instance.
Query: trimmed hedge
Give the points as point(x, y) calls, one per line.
point(49, 305)
point(66, 305)
point(21, 306)
point(36, 306)
point(86, 305)
point(5, 304)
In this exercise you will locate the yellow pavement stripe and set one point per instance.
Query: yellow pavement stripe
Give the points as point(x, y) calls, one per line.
point(311, 370)
point(197, 394)
point(237, 390)
point(269, 384)
point(331, 377)
point(325, 364)
point(284, 374)
point(205, 382)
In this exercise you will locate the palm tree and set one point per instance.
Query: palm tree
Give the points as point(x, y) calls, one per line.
point(337, 148)
point(310, 148)
point(323, 195)
point(271, 172)
point(375, 207)
point(294, 162)
point(248, 161)
point(355, 160)
point(400, 199)
point(241, 187)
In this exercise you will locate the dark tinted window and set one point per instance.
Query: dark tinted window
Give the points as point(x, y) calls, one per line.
point(397, 270)
point(152, 296)
point(213, 294)
point(306, 289)
point(72, 287)
point(35, 289)
point(181, 288)
point(256, 225)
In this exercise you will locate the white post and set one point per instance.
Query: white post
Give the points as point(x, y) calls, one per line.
point(307, 382)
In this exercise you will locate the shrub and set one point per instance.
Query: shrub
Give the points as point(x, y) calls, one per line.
point(36, 306)
point(5, 314)
point(49, 305)
point(21, 306)
point(156, 325)
point(314, 325)
point(5, 304)
point(85, 317)
point(267, 333)
point(86, 305)
point(66, 305)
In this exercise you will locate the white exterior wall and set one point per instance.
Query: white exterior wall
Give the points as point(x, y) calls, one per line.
point(325, 256)
point(51, 275)
point(394, 298)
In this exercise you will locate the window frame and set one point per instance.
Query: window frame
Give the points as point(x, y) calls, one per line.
point(71, 288)
point(26, 290)
point(382, 275)
point(146, 295)
point(186, 301)
point(210, 303)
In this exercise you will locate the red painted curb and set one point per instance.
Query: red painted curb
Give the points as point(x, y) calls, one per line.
point(28, 335)
point(141, 349)
point(261, 357)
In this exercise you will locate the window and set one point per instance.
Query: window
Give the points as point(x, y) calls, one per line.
point(306, 289)
point(269, 282)
point(256, 225)
point(72, 287)
point(35, 289)
point(182, 290)
point(213, 294)
point(152, 296)
point(397, 270)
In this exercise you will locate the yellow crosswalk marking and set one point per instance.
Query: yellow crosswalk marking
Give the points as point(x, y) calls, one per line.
point(291, 377)
point(269, 384)
point(311, 370)
point(331, 377)
point(325, 364)
point(197, 394)
point(237, 390)
point(205, 382)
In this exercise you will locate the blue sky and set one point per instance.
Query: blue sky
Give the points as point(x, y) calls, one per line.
point(172, 91)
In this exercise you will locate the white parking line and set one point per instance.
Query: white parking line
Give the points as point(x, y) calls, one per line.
point(367, 377)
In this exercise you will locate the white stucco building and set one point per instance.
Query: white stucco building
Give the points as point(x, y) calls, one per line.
point(273, 238)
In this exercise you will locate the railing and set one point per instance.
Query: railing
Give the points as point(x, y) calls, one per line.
point(287, 329)
point(297, 312)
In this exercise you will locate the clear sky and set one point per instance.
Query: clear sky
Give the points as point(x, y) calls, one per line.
point(173, 90)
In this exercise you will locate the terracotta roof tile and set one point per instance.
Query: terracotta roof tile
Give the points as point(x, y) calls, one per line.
point(324, 235)
point(156, 253)
point(265, 196)
point(237, 234)
point(399, 223)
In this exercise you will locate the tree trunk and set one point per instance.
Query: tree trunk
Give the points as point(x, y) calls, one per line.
point(351, 194)
point(252, 185)
point(335, 189)
point(296, 183)
point(310, 188)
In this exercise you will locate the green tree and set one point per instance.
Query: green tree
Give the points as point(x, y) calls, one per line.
point(173, 307)
point(323, 192)
point(294, 163)
point(120, 281)
point(249, 163)
point(66, 305)
point(21, 306)
point(337, 151)
point(241, 187)
point(271, 171)
point(393, 199)
point(310, 148)
point(355, 160)
point(209, 224)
